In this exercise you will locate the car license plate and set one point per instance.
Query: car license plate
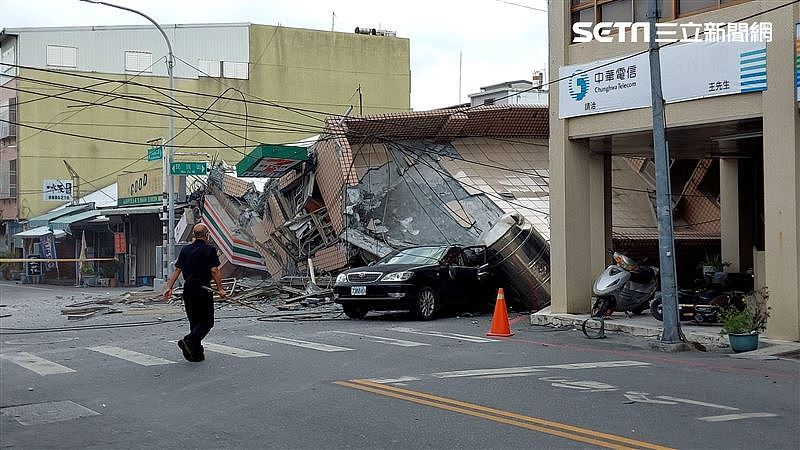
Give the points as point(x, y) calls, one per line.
point(358, 290)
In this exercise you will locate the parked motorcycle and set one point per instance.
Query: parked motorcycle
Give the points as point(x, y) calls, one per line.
point(707, 302)
point(626, 286)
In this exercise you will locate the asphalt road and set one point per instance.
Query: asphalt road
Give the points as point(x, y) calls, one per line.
point(383, 382)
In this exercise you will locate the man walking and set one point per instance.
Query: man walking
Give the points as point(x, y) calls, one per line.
point(199, 263)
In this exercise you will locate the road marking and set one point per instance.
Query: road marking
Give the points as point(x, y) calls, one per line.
point(641, 397)
point(596, 365)
point(35, 364)
point(231, 351)
point(516, 371)
point(506, 417)
point(729, 417)
point(130, 355)
point(581, 385)
point(304, 344)
point(460, 337)
point(695, 402)
point(507, 372)
point(393, 380)
point(384, 340)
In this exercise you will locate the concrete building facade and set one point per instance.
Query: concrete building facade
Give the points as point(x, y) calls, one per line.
point(94, 96)
point(754, 133)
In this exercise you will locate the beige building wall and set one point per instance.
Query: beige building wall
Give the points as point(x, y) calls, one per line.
point(575, 250)
point(300, 76)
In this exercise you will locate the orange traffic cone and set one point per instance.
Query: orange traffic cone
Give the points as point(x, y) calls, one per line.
point(500, 326)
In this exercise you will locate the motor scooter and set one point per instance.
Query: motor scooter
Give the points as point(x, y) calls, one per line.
point(707, 302)
point(625, 286)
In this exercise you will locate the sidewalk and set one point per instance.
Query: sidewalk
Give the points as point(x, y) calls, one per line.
point(646, 326)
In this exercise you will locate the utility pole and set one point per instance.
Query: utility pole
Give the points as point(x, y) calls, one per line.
point(666, 238)
point(168, 150)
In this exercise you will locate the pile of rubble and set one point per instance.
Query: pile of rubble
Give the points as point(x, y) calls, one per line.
point(286, 294)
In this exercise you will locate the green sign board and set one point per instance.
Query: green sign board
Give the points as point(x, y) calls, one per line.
point(271, 161)
point(136, 201)
point(188, 168)
point(155, 153)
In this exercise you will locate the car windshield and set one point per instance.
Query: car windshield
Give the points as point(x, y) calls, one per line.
point(417, 255)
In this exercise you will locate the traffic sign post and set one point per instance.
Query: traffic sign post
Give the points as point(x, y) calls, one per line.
point(188, 168)
point(155, 153)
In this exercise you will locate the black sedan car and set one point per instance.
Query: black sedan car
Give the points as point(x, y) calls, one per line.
point(420, 279)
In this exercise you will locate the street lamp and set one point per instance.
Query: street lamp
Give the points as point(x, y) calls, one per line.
point(167, 155)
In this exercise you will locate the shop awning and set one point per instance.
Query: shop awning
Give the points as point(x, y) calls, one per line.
point(45, 218)
point(151, 209)
point(39, 232)
point(64, 222)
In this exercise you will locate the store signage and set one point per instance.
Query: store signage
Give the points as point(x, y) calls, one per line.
point(188, 168)
point(120, 243)
point(57, 190)
point(33, 268)
point(271, 161)
point(47, 248)
point(140, 188)
point(688, 71)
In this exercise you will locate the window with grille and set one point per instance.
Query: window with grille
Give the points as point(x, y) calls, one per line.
point(12, 177)
point(595, 11)
point(8, 118)
point(138, 61)
point(62, 56)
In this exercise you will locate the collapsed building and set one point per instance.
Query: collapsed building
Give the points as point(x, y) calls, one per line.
point(368, 185)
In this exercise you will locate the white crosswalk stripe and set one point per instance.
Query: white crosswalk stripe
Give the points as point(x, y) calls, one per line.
point(384, 340)
point(130, 355)
point(456, 336)
point(232, 351)
point(303, 344)
point(35, 364)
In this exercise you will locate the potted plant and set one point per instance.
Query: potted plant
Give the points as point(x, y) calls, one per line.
point(88, 274)
point(744, 325)
point(713, 264)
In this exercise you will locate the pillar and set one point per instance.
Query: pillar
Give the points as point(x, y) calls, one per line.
point(782, 178)
point(579, 194)
point(729, 212)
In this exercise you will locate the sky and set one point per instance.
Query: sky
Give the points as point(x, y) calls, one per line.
point(500, 40)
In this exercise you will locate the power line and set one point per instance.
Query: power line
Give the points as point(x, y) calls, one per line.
point(142, 99)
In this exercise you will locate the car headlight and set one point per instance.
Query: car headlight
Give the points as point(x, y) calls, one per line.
point(341, 278)
point(397, 276)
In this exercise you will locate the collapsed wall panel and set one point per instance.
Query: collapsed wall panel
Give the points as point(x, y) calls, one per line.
point(236, 247)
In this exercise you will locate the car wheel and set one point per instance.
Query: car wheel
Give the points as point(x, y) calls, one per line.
point(427, 304)
point(355, 312)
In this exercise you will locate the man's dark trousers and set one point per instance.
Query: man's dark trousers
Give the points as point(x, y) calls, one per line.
point(199, 304)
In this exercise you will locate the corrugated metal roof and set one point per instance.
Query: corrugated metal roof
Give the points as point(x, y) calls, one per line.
point(63, 223)
point(45, 218)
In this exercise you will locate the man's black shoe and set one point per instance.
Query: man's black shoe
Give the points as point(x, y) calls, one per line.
point(187, 353)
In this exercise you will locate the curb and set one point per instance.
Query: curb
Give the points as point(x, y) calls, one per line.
point(561, 320)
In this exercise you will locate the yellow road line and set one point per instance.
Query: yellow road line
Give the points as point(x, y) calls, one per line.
point(512, 415)
point(519, 420)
